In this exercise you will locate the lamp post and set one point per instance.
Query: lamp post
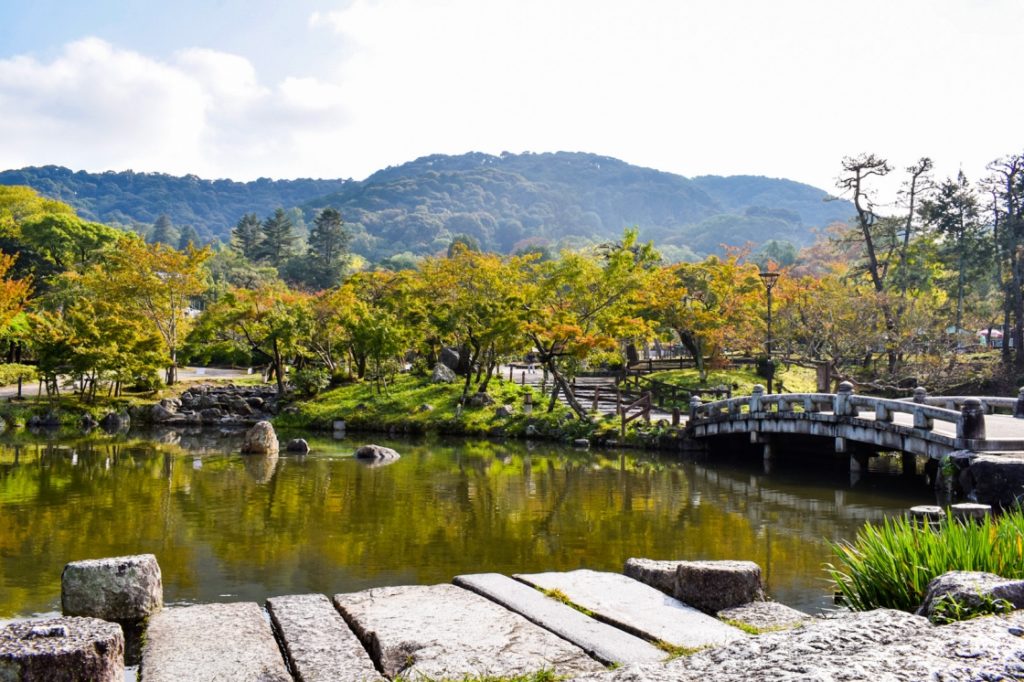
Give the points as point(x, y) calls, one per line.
point(769, 278)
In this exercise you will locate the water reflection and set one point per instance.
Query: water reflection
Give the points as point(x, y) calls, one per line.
point(226, 526)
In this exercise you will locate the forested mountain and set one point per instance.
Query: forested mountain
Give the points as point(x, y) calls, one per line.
point(504, 202)
point(131, 199)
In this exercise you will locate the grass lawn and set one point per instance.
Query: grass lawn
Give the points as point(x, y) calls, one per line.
point(788, 379)
point(404, 407)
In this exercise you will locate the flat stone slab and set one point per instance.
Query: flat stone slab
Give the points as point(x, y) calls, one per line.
point(636, 607)
point(62, 649)
point(212, 642)
point(765, 616)
point(319, 644)
point(444, 631)
point(602, 641)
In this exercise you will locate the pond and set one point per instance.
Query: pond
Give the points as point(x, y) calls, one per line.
point(228, 527)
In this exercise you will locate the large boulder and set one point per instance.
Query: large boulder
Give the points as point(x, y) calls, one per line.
point(872, 645)
point(706, 585)
point(260, 440)
point(376, 453)
point(442, 374)
point(126, 588)
point(115, 421)
point(968, 591)
point(479, 399)
point(997, 480)
point(505, 411)
point(65, 649)
point(449, 358)
point(162, 413)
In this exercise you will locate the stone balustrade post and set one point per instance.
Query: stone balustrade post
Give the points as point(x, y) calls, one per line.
point(842, 406)
point(882, 413)
point(694, 407)
point(971, 425)
point(1018, 409)
point(755, 398)
point(921, 420)
point(920, 395)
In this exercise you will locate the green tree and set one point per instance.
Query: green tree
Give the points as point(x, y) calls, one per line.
point(328, 247)
point(189, 237)
point(163, 231)
point(954, 213)
point(246, 236)
point(277, 243)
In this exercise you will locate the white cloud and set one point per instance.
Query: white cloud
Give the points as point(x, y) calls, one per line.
point(784, 88)
point(205, 112)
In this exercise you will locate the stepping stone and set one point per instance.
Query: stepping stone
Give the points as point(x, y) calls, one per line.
point(318, 643)
point(212, 642)
point(444, 631)
point(602, 641)
point(636, 608)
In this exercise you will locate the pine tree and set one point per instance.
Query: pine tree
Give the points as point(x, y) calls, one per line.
point(278, 241)
point(163, 231)
point(328, 245)
point(246, 235)
point(189, 236)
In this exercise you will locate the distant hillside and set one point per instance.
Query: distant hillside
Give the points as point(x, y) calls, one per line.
point(129, 198)
point(505, 202)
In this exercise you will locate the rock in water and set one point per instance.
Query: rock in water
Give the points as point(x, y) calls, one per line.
point(298, 445)
point(260, 440)
point(127, 588)
point(66, 649)
point(378, 453)
point(715, 585)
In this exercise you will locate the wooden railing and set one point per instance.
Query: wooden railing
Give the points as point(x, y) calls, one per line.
point(642, 405)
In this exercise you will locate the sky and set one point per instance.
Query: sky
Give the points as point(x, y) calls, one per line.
point(319, 88)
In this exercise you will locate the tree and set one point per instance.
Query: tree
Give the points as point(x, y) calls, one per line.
point(1006, 184)
point(246, 236)
point(267, 321)
point(189, 237)
point(163, 231)
point(278, 239)
point(713, 306)
point(158, 283)
point(328, 247)
point(580, 304)
point(885, 239)
point(954, 214)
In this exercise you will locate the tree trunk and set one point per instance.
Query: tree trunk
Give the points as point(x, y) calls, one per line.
point(279, 368)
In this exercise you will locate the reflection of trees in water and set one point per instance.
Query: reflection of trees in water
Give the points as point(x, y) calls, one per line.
point(251, 527)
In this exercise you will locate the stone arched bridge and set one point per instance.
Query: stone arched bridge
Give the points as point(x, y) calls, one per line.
point(930, 426)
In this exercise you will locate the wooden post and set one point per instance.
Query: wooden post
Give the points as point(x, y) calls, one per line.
point(1018, 409)
point(675, 416)
point(510, 371)
point(528, 403)
point(597, 396)
point(618, 401)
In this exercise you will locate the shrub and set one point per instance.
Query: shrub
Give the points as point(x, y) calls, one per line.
point(309, 381)
point(890, 565)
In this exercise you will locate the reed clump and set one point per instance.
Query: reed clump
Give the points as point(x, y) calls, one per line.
point(889, 565)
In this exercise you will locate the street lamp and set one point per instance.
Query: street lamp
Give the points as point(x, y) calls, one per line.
point(769, 278)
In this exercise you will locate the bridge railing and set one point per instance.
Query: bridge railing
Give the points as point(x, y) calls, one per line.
point(969, 420)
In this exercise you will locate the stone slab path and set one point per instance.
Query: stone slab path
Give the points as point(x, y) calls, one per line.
point(212, 642)
point(318, 643)
point(444, 631)
point(636, 608)
point(602, 641)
